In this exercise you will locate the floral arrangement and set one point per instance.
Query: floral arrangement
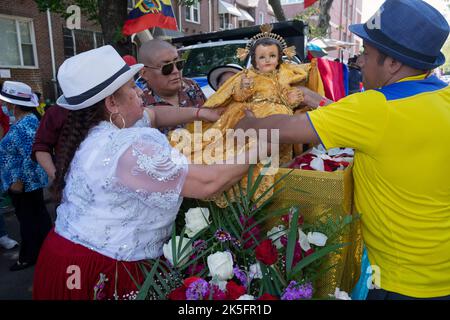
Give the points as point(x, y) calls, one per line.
point(324, 160)
point(233, 254)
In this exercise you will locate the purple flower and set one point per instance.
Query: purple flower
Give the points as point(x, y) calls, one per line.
point(222, 235)
point(197, 290)
point(236, 243)
point(296, 291)
point(241, 275)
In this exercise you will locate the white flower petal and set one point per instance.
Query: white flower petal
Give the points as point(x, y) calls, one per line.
point(275, 235)
point(303, 240)
point(246, 297)
point(317, 238)
point(317, 164)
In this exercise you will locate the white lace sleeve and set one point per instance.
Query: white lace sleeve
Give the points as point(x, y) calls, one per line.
point(150, 165)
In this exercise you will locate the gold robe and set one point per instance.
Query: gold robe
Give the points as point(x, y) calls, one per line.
point(268, 96)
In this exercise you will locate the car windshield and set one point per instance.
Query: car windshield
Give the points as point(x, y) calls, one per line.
point(200, 61)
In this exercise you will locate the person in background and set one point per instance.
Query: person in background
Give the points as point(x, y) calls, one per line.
point(218, 75)
point(22, 177)
point(354, 76)
point(165, 84)
point(41, 108)
point(5, 203)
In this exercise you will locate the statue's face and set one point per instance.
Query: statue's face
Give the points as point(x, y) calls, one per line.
point(266, 58)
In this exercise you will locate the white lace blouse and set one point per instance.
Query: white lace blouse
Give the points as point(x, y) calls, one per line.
point(122, 192)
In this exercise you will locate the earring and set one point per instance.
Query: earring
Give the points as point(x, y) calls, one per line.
point(121, 117)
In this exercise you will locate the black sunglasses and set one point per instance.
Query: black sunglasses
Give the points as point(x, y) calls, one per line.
point(167, 68)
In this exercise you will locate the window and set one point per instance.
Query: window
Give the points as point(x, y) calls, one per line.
point(261, 17)
point(225, 21)
point(18, 47)
point(77, 41)
point(193, 12)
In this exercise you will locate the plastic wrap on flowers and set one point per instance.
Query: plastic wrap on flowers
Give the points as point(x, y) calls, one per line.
point(316, 193)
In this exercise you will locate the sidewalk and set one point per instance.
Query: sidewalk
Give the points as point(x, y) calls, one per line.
point(16, 285)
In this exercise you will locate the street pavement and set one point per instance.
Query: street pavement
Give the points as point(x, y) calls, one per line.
point(16, 285)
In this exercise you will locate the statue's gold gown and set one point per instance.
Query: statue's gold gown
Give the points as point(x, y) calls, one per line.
point(268, 96)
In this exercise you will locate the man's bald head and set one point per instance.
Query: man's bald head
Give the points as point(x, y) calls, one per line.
point(154, 54)
point(150, 49)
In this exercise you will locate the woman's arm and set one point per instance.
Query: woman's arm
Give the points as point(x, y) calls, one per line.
point(168, 116)
point(45, 160)
point(204, 181)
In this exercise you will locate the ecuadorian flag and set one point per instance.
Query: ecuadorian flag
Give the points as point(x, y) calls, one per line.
point(149, 14)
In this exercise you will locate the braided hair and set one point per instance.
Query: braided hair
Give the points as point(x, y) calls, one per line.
point(74, 131)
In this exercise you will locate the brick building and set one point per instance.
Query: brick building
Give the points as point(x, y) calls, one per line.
point(34, 44)
point(214, 15)
point(342, 13)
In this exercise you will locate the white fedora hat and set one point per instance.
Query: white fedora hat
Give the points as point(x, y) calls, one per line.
point(18, 93)
point(91, 76)
point(215, 73)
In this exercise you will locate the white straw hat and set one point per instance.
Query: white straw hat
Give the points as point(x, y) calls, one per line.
point(18, 93)
point(91, 76)
point(215, 73)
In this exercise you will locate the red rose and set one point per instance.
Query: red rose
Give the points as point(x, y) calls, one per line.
point(187, 282)
point(234, 290)
point(267, 296)
point(266, 252)
point(217, 293)
point(178, 293)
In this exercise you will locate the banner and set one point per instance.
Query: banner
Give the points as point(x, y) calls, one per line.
point(149, 14)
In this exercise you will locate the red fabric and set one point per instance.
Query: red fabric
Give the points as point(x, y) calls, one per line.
point(309, 3)
point(53, 274)
point(332, 75)
point(4, 122)
point(130, 60)
point(50, 127)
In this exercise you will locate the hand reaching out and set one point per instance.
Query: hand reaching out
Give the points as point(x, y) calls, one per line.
point(295, 96)
point(210, 114)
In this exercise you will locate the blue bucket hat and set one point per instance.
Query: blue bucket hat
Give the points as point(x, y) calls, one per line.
point(410, 31)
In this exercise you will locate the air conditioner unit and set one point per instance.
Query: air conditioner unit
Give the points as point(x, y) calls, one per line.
point(230, 26)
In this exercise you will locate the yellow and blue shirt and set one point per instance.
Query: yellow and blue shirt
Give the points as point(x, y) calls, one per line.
point(401, 137)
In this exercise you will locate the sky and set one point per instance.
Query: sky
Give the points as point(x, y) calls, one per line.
point(369, 7)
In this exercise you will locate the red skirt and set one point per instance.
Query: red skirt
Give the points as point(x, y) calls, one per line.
point(69, 271)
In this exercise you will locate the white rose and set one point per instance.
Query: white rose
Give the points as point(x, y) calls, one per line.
point(255, 271)
point(340, 295)
point(317, 238)
point(303, 240)
point(246, 297)
point(167, 250)
point(275, 235)
point(220, 265)
point(196, 219)
point(221, 284)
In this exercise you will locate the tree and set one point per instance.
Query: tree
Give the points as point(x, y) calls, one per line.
point(277, 10)
point(109, 14)
point(320, 10)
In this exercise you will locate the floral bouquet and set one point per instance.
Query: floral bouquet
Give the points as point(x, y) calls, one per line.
point(231, 254)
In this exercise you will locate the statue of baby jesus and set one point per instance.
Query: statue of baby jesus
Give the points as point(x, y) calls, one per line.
point(268, 87)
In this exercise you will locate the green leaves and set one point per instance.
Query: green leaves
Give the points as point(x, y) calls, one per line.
point(245, 221)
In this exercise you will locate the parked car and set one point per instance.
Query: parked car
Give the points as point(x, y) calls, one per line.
point(208, 50)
